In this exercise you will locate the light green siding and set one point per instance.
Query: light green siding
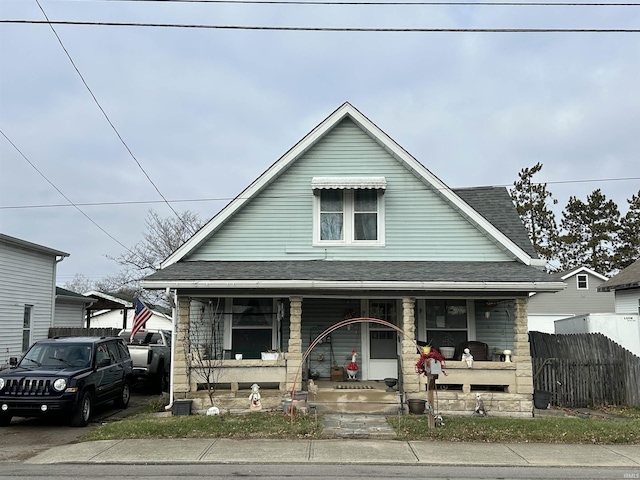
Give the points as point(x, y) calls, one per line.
point(278, 223)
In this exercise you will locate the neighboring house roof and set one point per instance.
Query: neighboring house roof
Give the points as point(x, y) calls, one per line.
point(31, 246)
point(506, 239)
point(570, 273)
point(627, 278)
point(364, 275)
point(122, 300)
point(70, 296)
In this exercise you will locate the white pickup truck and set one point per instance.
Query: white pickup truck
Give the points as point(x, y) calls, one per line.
point(151, 356)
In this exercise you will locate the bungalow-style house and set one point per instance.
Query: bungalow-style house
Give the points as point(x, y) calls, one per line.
point(27, 294)
point(580, 296)
point(349, 225)
point(116, 310)
point(626, 288)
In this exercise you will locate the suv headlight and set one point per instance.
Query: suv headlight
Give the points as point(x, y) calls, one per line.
point(60, 384)
point(1, 383)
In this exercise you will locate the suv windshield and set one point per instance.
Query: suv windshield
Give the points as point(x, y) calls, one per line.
point(58, 356)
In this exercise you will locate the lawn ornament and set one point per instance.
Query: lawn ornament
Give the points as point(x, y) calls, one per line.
point(254, 398)
point(352, 368)
point(467, 358)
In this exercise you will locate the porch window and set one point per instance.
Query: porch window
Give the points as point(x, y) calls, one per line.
point(252, 326)
point(447, 323)
point(348, 211)
point(26, 327)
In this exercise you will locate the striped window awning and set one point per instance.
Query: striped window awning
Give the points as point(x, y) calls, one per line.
point(344, 183)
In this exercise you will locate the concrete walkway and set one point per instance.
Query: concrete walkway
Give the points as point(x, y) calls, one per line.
point(340, 451)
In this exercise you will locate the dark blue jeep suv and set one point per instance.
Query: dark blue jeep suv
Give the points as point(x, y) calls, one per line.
point(66, 376)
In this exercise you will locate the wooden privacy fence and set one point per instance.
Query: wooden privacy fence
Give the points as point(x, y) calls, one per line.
point(83, 332)
point(585, 369)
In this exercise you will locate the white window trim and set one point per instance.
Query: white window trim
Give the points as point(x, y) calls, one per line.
point(228, 325)
point(30, 329)
point(586, 281)
point(348, 213)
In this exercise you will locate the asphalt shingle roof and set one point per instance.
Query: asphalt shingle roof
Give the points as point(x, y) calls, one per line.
point(366, 271)
point(627, 278)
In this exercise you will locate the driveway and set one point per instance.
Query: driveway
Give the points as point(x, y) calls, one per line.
point(25, 438)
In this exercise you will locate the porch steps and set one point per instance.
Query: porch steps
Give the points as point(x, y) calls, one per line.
point(355, 401)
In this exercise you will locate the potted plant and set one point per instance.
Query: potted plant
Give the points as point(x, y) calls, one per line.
point(447, 346)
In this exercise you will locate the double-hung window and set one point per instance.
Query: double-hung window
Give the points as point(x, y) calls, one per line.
point(26, 327)
point(348, 211)
point(252, 326)
point(582, 282)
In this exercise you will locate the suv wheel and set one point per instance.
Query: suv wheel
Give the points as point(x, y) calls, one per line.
point(160, 380)
point(125, 395)
point(82, 412)
point(5, 420)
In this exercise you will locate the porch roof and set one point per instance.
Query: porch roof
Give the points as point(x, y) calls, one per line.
point(355, 275)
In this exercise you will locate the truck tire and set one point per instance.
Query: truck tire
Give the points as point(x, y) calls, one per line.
point(125, 395)
point(160, 380)
point(82, 413)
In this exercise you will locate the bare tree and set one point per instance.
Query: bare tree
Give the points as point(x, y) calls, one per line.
point(80, 284)
point(204, 343)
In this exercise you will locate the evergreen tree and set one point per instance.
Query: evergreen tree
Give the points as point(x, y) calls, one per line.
point(532, 203)
point(629, 249)
point(589, 233)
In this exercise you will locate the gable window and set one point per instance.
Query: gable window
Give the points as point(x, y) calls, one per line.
point(26, 327)
point(348, 211)
point(582, 282)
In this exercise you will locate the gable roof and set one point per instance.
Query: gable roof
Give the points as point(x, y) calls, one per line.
point(570, 273)
point(517, 248)
point(627, 278)
point(68, 295)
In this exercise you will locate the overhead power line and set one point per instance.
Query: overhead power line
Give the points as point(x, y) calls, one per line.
point(107, 116)
point(71, 203)
point(329, 29)
point(227, 199)
point(383, 3)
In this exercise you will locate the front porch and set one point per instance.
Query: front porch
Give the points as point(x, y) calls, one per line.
point(506, 387)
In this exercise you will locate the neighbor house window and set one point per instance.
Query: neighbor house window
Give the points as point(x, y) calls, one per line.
point(447, 322)
point(252, 326)
point(26, 327)
point(582, 282)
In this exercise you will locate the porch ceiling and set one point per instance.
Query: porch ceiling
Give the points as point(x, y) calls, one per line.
point(355, 275)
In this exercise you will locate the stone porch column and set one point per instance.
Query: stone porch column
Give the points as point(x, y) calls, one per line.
point(181, 383)
point(410, 379)
point(294, 353)
point(522, 355)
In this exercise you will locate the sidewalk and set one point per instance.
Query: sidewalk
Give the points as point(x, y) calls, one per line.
point(340, 451)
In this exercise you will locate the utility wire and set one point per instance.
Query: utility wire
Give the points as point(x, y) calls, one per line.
point(227, 199)
point(330, 29)
point(383, 3)
point(61, 193)
point(107, 116)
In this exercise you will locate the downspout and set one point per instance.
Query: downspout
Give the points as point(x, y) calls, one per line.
point(174, 336)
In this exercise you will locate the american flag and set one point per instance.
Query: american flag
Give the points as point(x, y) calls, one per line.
point(139, 318)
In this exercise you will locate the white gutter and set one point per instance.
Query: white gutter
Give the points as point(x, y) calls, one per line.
point(359, 285)
point(174, 336)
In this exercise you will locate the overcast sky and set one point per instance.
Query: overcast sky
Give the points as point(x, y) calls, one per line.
point(206, 111)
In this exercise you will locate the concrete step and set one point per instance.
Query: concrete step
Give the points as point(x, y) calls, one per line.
point(355, 401)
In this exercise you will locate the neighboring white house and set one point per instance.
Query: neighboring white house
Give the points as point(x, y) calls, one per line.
point(27, 294)
point(71, 308)
point(115, 310)
point(626, 288)
point(581, 296)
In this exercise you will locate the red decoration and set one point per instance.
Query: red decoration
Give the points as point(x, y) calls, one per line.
point(426, 359)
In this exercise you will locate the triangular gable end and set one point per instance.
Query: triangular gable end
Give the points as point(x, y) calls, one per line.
point(348, 110)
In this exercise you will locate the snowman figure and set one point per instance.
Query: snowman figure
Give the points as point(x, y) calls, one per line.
point(254, 398)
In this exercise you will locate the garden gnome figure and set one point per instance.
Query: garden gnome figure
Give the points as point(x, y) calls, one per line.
point(254, 398)
point(467, 358)
point(352, 368)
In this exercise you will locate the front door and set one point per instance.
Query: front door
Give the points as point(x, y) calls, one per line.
point(382, 340)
